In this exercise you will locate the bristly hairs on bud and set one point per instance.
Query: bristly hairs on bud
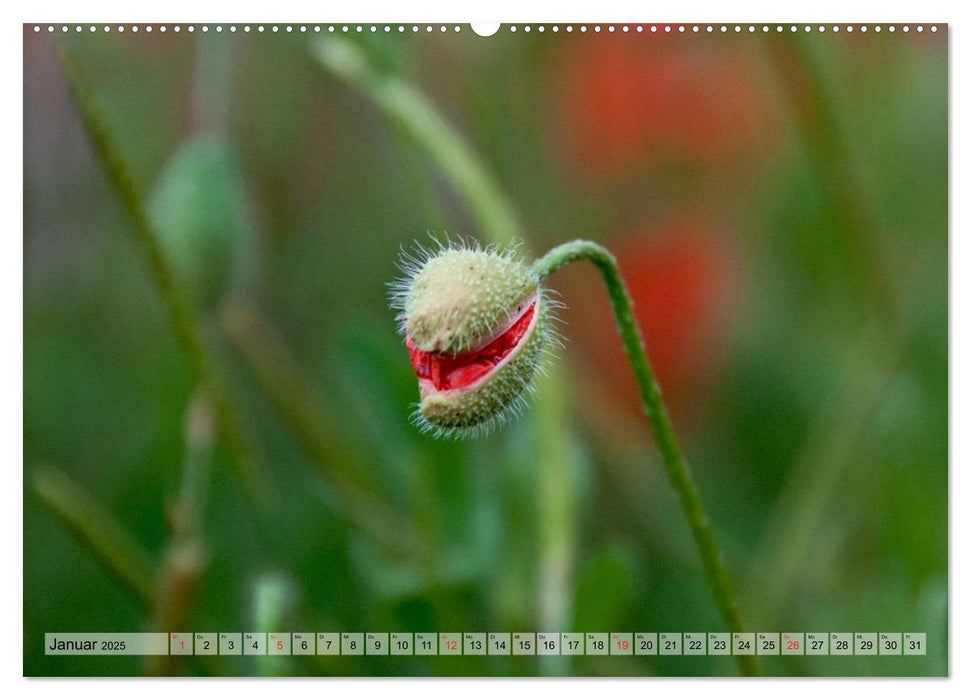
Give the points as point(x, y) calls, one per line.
point(411, 261)
point(479, 328)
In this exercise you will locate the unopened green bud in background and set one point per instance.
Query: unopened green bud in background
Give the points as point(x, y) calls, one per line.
point(200, 210)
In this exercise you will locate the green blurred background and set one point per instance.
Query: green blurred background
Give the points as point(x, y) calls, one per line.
point(777, 202)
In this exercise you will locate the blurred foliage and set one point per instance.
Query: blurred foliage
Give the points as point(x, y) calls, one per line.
point(199, 210)
point(805, 356)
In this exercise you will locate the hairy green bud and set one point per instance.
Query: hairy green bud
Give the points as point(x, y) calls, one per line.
point(478, 328)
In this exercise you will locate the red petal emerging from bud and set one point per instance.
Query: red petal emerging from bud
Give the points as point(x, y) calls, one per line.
point(447, 372)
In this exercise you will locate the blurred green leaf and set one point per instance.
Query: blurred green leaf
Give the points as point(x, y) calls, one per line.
point(604, 590)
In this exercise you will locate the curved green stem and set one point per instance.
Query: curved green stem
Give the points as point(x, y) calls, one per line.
point(657, 414)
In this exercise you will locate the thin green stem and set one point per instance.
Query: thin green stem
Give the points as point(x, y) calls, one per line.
point(183, 315)
point(831, 155)
point(793, 529)
point(107, 537)
point(412, 111)
point(185, 556)
point(212, 84)
point(556, 508)
point(657, 414)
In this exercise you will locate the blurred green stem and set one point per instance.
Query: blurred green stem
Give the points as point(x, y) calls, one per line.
point(791, 543)
point(210, 94)
point(555, 513)
point(183, 316)
point(411, 111)
point(278, 375)
point(829, 151)
point(657, 414)
point(185, 556)
point(271, 599)
point(794, 524)
point(107, 537)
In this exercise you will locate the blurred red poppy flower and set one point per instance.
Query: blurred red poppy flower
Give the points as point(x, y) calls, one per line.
point(631, 102)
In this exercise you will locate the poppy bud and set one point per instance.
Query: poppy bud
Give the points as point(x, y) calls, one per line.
point(478, 328)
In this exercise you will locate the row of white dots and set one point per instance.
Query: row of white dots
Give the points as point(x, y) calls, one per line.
point(667, 28)
point(697, 28)
point(245, 28)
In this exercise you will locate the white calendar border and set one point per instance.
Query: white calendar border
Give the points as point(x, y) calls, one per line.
point(11, 277)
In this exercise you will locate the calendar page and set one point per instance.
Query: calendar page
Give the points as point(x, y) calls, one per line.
point(519, 349)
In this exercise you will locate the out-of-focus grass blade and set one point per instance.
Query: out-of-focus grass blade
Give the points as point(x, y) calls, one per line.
point(277, 373)
point(107, 537)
